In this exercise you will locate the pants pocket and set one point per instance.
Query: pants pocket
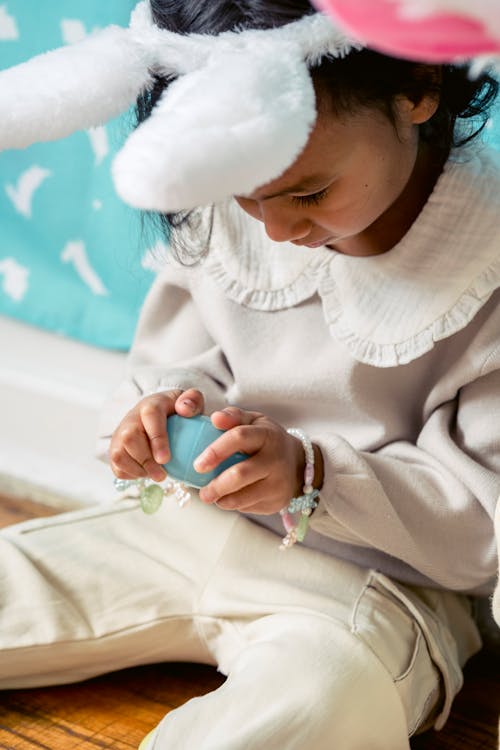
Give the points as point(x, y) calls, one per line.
point(396, 628)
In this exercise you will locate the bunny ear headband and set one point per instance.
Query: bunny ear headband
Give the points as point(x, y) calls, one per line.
point(237, 115)
point(439, 30)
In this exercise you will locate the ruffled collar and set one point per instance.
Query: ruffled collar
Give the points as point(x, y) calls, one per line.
point(387, 309)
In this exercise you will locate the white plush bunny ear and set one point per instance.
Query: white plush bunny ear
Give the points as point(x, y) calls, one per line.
point(232, 125)
point(71, 88)
point(237, 116)
point(77, 86)
point(225, 129)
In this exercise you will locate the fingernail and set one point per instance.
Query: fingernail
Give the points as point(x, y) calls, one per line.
point(158, 474)
point(200, 462)
point(162, 456)
point(189, 403)
point(206, 496)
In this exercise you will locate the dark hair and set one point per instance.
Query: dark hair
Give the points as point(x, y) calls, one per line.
point(363, 78)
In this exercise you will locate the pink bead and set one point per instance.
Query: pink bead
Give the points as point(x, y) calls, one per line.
point(309, 474)
point(288, 521)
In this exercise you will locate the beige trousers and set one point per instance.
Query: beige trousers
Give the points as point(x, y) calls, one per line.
point(319, 654)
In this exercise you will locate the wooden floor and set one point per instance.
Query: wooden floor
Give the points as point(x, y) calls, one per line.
point(117, 710)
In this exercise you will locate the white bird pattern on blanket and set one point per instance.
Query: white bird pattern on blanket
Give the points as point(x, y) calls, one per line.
point(23, 193)
point(15, 278)
point(76, 253)
point(8, 26)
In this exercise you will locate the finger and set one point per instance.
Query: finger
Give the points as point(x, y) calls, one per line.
point(252, 499)
point(124, 475)
point(133, 445)
point(231, 416)
point(156, 472)
point(189, 403)
point(245, 438)
point(235, 502)
point(263, 508)
point(153, 415)
point(235, 480)
point(124, 466)
point(145, 468)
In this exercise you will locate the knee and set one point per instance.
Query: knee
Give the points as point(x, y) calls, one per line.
point(334, 691)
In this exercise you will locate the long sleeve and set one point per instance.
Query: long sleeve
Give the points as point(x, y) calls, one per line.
point(429, 504)
point(171, 349)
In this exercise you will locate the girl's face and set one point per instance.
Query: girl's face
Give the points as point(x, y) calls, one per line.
point(357, 186)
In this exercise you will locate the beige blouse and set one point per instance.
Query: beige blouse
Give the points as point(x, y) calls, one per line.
point(390, 363)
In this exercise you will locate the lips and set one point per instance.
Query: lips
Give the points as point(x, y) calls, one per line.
point(319, 243)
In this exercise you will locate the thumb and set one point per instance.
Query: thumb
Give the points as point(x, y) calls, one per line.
point(232, 416)
point(190, 403)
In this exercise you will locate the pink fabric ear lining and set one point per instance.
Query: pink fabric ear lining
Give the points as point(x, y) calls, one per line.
point(437, 37)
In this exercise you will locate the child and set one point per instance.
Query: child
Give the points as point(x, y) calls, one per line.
point(341, 324)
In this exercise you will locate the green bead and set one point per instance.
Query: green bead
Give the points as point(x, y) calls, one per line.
point(302, 527)
point(151, 498)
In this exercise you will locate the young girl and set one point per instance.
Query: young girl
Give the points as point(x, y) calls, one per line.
point(340, 323)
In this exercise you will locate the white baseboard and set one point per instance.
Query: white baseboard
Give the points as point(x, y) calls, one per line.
point(51, 392)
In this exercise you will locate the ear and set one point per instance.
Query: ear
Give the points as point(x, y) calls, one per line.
point(424, 109)
point(409, 112)
point(419, 109)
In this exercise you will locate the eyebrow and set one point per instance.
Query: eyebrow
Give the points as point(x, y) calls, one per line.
point(308, 183)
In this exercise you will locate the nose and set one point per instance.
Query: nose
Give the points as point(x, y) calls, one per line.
point(283, 223)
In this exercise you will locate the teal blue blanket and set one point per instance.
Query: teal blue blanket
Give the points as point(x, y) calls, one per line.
point(71, 253)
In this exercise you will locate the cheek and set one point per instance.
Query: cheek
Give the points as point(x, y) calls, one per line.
point(379, 181)
point(346, 208)
point(396, 172)
point(357, 203)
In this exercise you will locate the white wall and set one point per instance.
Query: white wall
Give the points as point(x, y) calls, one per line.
point(51, 391)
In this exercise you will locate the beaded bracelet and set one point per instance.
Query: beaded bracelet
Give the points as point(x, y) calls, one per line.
point(151, 494)
point(305, 503)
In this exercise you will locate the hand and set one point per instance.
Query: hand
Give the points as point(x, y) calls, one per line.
point(139, 445)
point(263, 483)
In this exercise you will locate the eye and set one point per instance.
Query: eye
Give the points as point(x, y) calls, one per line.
point(310, 200)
